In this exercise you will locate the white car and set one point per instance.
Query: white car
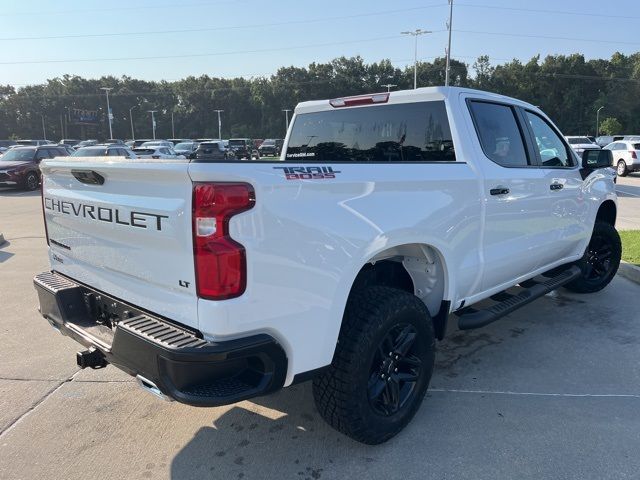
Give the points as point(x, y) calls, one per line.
point(157, 152)
point(625, 156)
point(157, 143)
point(580, 144)
point(339, 262)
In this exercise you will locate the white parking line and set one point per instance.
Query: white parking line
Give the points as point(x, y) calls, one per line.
point(539, 394)
point(627, 193)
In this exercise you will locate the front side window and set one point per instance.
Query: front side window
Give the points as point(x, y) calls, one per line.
point(499, 134)
point(553, 151)
point(410, 132)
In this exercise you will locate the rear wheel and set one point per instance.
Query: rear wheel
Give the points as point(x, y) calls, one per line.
point(622, 168)
point(600, 261)
point(381, 368)
point(32, 181)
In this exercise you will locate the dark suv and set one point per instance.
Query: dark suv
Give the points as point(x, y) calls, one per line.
point(243, 148)
point(271, 146)
point(19, 167)
point(212, 151)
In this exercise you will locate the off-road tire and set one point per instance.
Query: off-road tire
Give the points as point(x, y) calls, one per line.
point(342, 392)
point(605, 237)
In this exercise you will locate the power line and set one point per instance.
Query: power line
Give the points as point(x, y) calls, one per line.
point(224, 28)
point(198, 55)
point(558, 12)
point(524, 35)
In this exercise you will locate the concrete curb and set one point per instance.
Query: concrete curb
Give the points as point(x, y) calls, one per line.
point(629, 271)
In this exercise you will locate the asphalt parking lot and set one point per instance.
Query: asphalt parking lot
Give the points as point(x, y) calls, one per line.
point(552, 391)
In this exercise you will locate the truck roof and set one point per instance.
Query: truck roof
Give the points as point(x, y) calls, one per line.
point(424, 94)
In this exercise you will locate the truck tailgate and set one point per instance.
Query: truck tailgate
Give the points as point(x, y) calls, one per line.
point(124, 227)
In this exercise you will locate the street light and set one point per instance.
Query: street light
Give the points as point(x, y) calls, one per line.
point(286, 119)
point(598, 121)
point(173, 131)
point(109, 114)
point(133, 134)
point(416, 34)
point(153, 122)
point(44, 131)
point(219, 124)
point(389, 86)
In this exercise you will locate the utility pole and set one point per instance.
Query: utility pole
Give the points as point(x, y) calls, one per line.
point(389, 86)
point(133, 133)
point(153, 122)
point(598, 121)
point(109, 114)
point(44, 130)
point(173, 131)
point(449, 23)
point(286, 119)
point(219, 124)
point(416, 33)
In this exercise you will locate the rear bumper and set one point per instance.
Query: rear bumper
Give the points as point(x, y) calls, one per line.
point(173, 358)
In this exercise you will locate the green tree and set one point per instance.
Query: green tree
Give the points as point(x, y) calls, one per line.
point(610, 126)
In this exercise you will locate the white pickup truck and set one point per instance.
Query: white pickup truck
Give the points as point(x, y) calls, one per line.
point(341, 262)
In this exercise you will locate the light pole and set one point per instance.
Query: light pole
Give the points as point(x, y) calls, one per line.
point(286, 119)
point(416, 34)
point(389, 86)
point(109, 114)
point(44, 131)
point(173, 131)
point(598, 121)
point(446, 75)
point(153, 122)
point(219, 124)
point(133, 133)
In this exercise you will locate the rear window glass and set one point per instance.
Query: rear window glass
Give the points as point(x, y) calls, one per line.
point(411, 132)
point(499, 134)
point(636, 146)
point(90, 152)
point(144, 151)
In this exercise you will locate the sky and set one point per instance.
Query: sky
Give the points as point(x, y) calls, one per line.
point(171, 39)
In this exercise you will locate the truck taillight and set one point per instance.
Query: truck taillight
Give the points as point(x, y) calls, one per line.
point(220, 261)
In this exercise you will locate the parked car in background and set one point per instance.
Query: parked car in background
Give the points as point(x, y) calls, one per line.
point(157, 143)
point(176, 141)
point(271, 146)
point(604, 140)
point(137, 143)
point(580, 144)
point(86, 143)
point(186, 148)
point(34, 142)
point(114, 141)
point(104, 150)
point(625, 156)
point(69, 142)
point(213, 151)
point(243, 148)
point(6, 145)
point(157, 152)
point(19, 167)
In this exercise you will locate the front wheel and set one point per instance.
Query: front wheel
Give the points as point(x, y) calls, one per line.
point(381, 368)
point(622, 169)
point(32, 181)
point(600, 261)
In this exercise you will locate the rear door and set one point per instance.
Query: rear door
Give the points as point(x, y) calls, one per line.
point(124, 227)
point(514, 194)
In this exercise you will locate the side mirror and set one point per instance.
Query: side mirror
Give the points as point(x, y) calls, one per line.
point(593, 159)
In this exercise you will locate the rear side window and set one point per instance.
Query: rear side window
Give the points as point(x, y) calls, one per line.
point(410, 132)
point(499, 134)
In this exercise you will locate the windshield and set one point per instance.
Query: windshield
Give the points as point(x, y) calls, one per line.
point(18, 154)
point(184, 146)
point(237, 143)
point(90, 152)
point(269, 142)
point(578, 140)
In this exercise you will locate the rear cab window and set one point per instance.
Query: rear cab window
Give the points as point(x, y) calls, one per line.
point(406, 132)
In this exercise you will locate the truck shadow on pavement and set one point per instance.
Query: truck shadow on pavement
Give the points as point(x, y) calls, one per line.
point(4, 255)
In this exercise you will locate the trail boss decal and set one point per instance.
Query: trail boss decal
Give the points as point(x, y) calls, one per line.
point(308, 173)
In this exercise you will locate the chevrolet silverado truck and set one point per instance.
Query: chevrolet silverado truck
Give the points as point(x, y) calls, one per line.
point(388, 219)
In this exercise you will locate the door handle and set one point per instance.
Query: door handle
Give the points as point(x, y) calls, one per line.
point(499, 191)
point(556, 186)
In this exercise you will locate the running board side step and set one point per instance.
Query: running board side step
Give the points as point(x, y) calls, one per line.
point(469, 318)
